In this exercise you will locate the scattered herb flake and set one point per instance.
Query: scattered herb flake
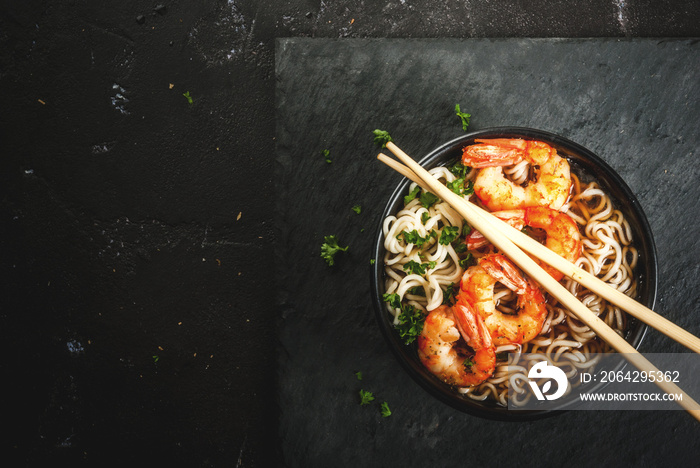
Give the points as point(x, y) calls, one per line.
point(416, 239)
point(467, 261)
point(411, 196)
point(365, 397)
point(358, 375)
point(187, 95)
point(463, 116)
point(428, 199)
point(449, 294)
point(357, 209)
point(386, 412)
point(330, 248)
point(381, 138)
point(448, 235)
point(459, 170)
point(410, 323)
point(327, 155)
point(416, 268)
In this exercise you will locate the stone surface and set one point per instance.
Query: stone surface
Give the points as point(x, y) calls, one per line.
point(137, 301)
point(635, 103)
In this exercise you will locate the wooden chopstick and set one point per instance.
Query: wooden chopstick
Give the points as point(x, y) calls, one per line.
point(579, 275)
point(492, 232)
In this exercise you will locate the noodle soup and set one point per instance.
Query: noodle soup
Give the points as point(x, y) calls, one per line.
point(419, 273)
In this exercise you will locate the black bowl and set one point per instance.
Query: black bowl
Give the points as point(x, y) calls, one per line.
point(585, 165)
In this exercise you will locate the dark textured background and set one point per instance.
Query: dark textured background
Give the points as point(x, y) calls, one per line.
point(634, 103)
point(139, 312)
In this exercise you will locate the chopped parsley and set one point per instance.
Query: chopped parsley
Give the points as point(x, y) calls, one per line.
point(371, 261)
point(386, 412)
point(424, 217)
point(416, 291)
point(381, 138)
point(461, 188)
point(155, 359)
point(463, 116)
point(410, 323)
point(357, 209)
point(327, 155)
point(330, 248)
point(460, 247)
point(411, 318)
point(411, 196)
point(467, 261)
point(418, 268)
point(187, 95)
point(416, 239)
point(449, 294)
point(468, 363)
point(459, 170)
point(393, 299)
point(448, 235)
point(358, 375)
point(428, 199)
point(366, 397)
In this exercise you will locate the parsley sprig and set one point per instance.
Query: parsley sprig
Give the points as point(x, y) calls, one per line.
point(330, 248)
point(381, 138)
point(463, 116)
point(366, 397)
point(386, 412)
point(413, 267)
point(326, 153)
point(411, 319)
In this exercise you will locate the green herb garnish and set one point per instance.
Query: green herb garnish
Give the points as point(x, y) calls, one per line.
point(459, 170)
point(413, 267)
point(428, 199)
point(463, 116)
point(416, 239)
point(416, 291)
point(327, 155)
point(357, 209)
point(358, 375)
point(365, 397)
point(449, 294)
point(394, 300)
point(330, 248)
point(410, 323)
point(411, 196)
point(448, 235)
point(381, 138)
point(386, 412)
point(187, 95)
point(467, 261)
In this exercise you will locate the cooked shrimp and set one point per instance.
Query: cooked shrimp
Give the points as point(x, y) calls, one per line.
point(562, 233)
point(449, 358)
point(551, 188)
point(476, 289)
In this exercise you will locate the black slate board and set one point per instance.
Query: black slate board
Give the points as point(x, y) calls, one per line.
point(635, 103)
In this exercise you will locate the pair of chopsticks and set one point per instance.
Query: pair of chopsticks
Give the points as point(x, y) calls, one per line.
point(510, 241)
